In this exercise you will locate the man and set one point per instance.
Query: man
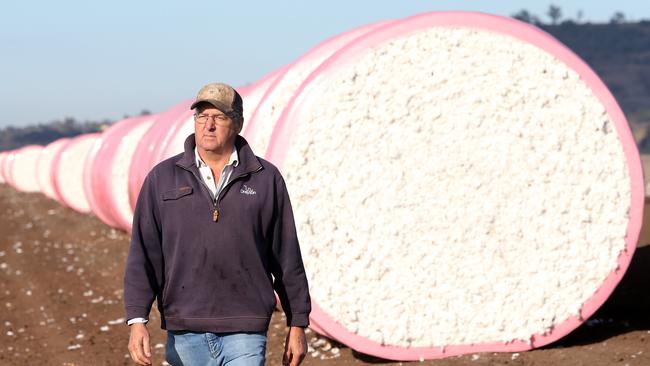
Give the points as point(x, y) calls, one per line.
point(212, 247)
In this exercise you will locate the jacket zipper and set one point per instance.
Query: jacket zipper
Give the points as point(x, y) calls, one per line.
point(215, 213)
point(215, 201)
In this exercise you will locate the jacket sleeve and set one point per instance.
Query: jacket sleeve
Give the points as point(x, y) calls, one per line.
point(143, 275)
point(290, 280)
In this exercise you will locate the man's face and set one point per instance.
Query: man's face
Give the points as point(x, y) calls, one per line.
point(215, 133)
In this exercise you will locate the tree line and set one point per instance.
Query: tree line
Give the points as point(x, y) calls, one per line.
point(43, 133)
point(556, 17)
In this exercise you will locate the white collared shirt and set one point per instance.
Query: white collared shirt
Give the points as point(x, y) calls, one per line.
point(224, 176)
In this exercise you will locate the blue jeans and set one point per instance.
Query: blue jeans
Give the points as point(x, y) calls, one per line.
point(203, 349)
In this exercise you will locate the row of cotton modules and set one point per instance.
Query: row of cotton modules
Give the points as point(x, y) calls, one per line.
point(461, 182)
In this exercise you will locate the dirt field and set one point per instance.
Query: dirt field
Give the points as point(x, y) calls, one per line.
point(61, 301)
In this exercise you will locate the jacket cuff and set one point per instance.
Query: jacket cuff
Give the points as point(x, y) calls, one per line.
point(298, 320)
point(136, 312)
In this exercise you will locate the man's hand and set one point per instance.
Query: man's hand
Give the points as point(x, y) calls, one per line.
point(139, 347)
point(295, 347)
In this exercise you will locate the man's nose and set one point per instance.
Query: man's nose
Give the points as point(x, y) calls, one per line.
point(211, 124)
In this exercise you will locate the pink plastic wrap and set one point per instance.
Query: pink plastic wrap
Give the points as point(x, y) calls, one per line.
point(99, 169)
point(7, 165)
point(68, 172)
point(292, 77)
point(23, 171)
point(107, 167)
point(44, 167)
point(144, 158)
point(92, 180)
point(172, 140)
point(255, 92)
point(305, 98)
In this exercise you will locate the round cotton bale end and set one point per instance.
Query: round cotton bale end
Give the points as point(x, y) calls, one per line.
point(69, 172)
point(23, 170)
point(44, 167)
point(461, 183)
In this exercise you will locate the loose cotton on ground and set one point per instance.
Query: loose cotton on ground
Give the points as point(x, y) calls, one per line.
point(456, 186)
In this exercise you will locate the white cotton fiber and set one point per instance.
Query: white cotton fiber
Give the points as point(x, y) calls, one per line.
point(456, 186)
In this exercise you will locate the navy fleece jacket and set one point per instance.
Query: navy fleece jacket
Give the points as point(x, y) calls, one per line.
point(209, 275)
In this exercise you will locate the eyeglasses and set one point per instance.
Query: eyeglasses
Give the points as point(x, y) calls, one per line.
point(219, 119)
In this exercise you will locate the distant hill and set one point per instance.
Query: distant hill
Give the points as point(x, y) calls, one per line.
point(620, 54)
point(41, 134)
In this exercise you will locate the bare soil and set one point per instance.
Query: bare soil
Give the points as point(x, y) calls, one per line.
point(61, 302)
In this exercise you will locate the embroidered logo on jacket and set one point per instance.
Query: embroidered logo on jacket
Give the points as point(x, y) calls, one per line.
point(247, 190)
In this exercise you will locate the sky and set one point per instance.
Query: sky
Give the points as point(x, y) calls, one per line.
point(96, 60)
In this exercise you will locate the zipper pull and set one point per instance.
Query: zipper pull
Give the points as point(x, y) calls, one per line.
point(215, 215)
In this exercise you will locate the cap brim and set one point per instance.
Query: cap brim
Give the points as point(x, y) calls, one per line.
point(215, 103)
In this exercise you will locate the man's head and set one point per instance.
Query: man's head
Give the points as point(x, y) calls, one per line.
point(218, 116)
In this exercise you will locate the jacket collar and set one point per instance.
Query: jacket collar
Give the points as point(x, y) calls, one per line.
point(248, 162)
point(234, 158)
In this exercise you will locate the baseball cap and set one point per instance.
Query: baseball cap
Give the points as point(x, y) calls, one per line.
point(222, 96)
